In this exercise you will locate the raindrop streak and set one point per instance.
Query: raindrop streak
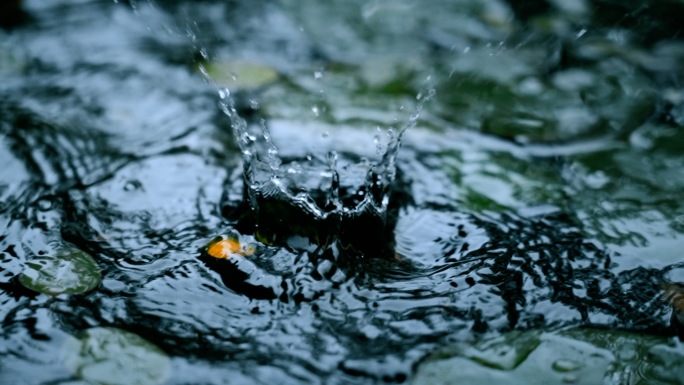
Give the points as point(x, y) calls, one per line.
point(329, 195)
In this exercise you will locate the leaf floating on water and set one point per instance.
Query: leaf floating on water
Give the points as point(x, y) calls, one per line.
point(110, 356)
point(224, 255)
point(239, 75)
point(228, 246)
point(68, 271)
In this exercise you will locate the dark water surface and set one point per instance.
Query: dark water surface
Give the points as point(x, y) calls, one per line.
point(540, 188)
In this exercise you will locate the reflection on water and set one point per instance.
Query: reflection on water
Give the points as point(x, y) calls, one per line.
point(538, 189)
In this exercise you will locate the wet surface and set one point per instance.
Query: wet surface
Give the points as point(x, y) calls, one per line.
point(540, 187)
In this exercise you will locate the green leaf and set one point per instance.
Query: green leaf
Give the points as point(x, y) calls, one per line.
point(239, 75)
point(68, 271)
point(110, 356)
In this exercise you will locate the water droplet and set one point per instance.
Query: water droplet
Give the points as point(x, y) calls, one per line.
point(254, 104)
point(570, 379)
point(318, 74)
point(191, 34)
point(223, 93)
point(315, 110)
point(581, 33)
point(466, 49)
point(332, 159)
point(379, 148)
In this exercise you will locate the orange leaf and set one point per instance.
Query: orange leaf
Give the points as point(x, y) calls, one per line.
point(224, 248)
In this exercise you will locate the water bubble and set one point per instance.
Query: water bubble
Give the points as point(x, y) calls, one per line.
point(566, 365)
point(530, 86)
point(45, 203)
point(628, 352)
point(596, 180)
point(132, 185)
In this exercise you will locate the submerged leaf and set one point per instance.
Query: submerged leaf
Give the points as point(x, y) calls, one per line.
point(550, 359)
point(68, 271)
point(577, 356)
point(110, 356)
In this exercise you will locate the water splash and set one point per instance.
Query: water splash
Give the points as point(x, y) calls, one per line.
point(326, 195)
